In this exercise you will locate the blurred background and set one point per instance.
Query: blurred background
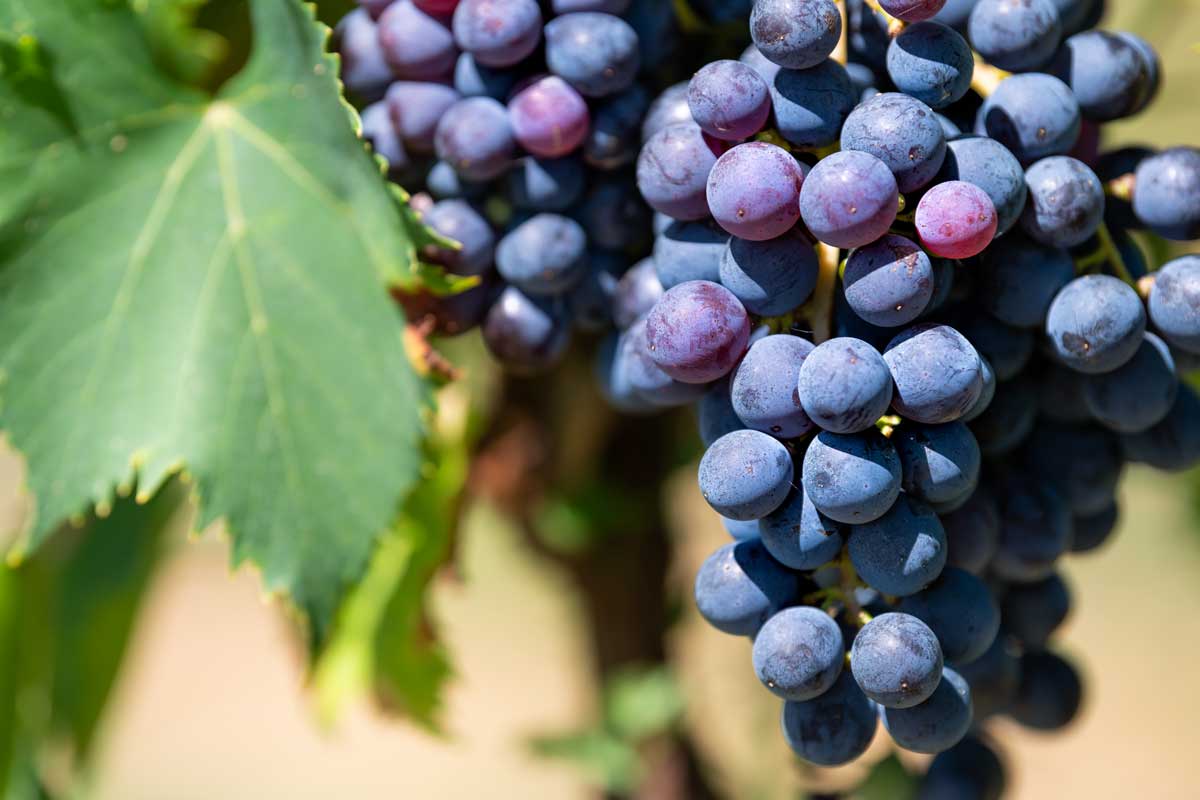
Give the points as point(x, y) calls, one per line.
point(212, 700)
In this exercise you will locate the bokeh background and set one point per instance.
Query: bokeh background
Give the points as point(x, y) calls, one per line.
point(212, 700)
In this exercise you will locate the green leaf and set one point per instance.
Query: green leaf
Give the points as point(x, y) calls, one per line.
point(198, 284)
point(605, 759)
point(640, 703)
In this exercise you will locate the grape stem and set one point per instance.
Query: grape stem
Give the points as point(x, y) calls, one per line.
point(819, 308)
point(849, 583)
point(1121, 187)
point(985, 78)
point(894, 25)
point(841, 51)
point(1113, 255)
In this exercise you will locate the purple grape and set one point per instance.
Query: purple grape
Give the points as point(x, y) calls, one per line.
point(753, 58)
point(457, 220)
point(844, 385)
point(956, 219)
point(498, 33)
point(647, 378)
point(637, 292)
point(849, 199)
point(415, 44)
point(365, 71)
point(416, 107)
point(546, 254)
point(937, 373)
point(697, 331)
point(669, 108)
point(549, 118)
point(889, 282)
point(380, 131)
point(525, 334)
point(901, 132)
point(596, 53)
point(474, 136)
point(753, 191)
point(673, 170)
point(763, 389)
point(795, 33)
point(729, 100)
point(912, 10)
point(810, 105)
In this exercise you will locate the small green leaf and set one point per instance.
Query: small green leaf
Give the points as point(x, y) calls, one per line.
point(640, 703)
point(605, 759)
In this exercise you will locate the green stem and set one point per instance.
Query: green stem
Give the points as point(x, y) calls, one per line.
point(1113, 255)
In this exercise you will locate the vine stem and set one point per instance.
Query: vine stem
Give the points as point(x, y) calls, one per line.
point(894, 25)
point(985, 78)
point(1113, 255)
point(848, 584)
point(819, 309)
point(841, 52)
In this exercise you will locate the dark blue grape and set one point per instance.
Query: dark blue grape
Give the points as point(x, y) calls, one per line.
point(498, 33)
point(1174, 303)
point(1007, 349)
point(799, 536)
point(931, 62)
point(845, 385)
point(1138, 394)
point(590, 302)
point(1166, 197)
point(445, 184)
point(1066, 202)
point(614, 216)
point(729, 100)
point(990, 166)
point(1035, 529)
point(657, 31)
point(474, 137)
point(1095, 324)
point(764, 386)
point(770, 277)
point(900, 131)
point(851, 478)
point(612, 375)
point(1032, 115)
point(740, 587)
point(745, 475)
point(605, 6)
point(1150, 62)
point(1174, 443)
point(896, 660)
point(1019, 278)
point(832, 729)
point(546, 254)
point(1108, 75)
point(937, 724)
point(986, 394)
point(472, 79)
point(1016, 35)
point(673, 169)
point(1092, 531)
point(797, 34)
point(1050, 693)
point(993, 678)
point(715, 416)
point(1082, 462)
point(956, 13)
point(741, 530)
point(1008, 419)
point(889, 282)
point(970, 770)
point(546, 184)
point(811, 105)
point(365, 71)
point(457, 220)
point(901, 552)
point(614, 137)
point(849, 199)
point(689, 251)
point(596, 53)
point(798, 653)
point(959, 608)
point(1034, 611)
point(526, 334)
point(937, 373)
point(940, 463)
point(972, 531)
point(1060, 394)
point(417, 46)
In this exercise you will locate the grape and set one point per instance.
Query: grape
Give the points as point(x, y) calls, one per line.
point(590, 301)
point(549, 118)
point(896, 660)
point(1082, 462)
point(613, 215)
point(902, 133)
point(741, 530)
point(498, 33)
point(937, 373)
point(1138, 394)
point(540, 184)
point(986, 394)
point(1174, 443)
point(416, 45)
point(754, 189)
point(1095, 324)
point(797, 34)
point(1008, 419)
point(931, 62)
point(454, 314)
point(939, 463)
point(937, 724)
point(990, 166)
point(416, 107)
point(715, 414)
point(869, 34)
point(472, 79)
point(740, 587)
point(1166, 197)
point(851, 478)
point(960, 610)
point(605, 6)
point(1035, 529)
point(832, 729)
point(903, 551)
point(1015, 35)
point(1034, 611)
point(442, 8)
point(673, 169)
point(1093, 530)
point(753, 58)
point(596, 53)
point(1049, 694)
point(1075, 14)
point(1174, 303)
point(474, 137)
point(689, 251)
point(745, 475)
point(729, 100)
point(956, 219)
point(636, 293)
point(657, 31)
point(669, 108)
point(647, 378)
point(697, 331)
point(1066, 202)
point(770, 277)
point(380, 131)
point(1032, 115)
point(849, 199)
point(613, 140)
point(799, 536)
point(972, 531)
point(373, 7)
point(1007, 349)
point(956, 13)
point(798, 653)
point(951, 130)
point(993, 678)
point(764, 386)
point(889, 282)
point(1019, 278)
point(845, 386)
point(526, 334)
point(970, 769)
point(912, 10)
point(543, 255)
point(1108, 75)
point(457, 220)
point(1150, 63)
point(810, 105)
point(365, 70)
point(443, 183)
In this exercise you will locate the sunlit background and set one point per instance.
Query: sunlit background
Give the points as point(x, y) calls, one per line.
point(211, 703)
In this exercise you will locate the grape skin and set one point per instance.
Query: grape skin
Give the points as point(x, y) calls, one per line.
point(1033, 115)
point(889, 282)
point(673, 169)
point(799, 536)
point(832, 729)
point(851, 478)
point(1174, 303)
point(498, 33)
point(956, 219)
point(990, 166)
point(1095, 324)
point(844, 385)
point(474, 136)
point(548, 117)
point(745, 475)
point(797, 34)
point(901, 552)
point(763, 389)
point(936, 371)
point(770, 277)
point(798, 653)
point(937, 724)
point(939, 463)
point(758, 209)
point(1138, 394)
point(932, 63)
point(849, 199)
point(960, 610)
point(900, 131)
point(1066, 202)
point(896, 660)
point(697, 331)
point(729, 100)
point(740, 587)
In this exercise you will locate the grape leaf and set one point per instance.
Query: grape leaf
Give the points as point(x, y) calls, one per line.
point(196, 284)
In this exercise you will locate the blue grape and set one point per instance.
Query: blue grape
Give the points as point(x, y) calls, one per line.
point(498, 33)
point(1166, 197)
point(900, 131)
point(949, 128)
point(526, 334)
point(612, 375)
point(673, 169)
point(1108, 75)
point(746, 475)
point(613, 139)
point(956, 13)
point(379, 130)
point(669, 108)
point(457, 220)
point(888, 282)
point(753, 58)
point(832, 729)
point(1007, 349)
point(799, 536)
point(959, 608)
point(1033, 115)
point(1092, 531)
point(972, 532)
point(729, 100)
point(472, 79)
point(901, 552)
point(1016, 35)
point(741, 530)
point(849, 199)
point(896, 660)
point(596, 53)
point(539, 184)
point(657, 31)
point(546, 254)
point(365, 71)
point(937, 373)
point(715, 416)
point(845, 386)
point(990, 166)
point(1174, 303)
point(475, 137)
point(590, 302)
point(986, 394)
point(969, 770)
point(1049, 694)
point(993, 678)
point(1035, 529)
point(636, 293)
point(614, 216)
point(851, 478)
point(1173, 444)
point(740, 587)
point(1082, 462)
point(869, 34)
point(770, 277)
point(605, 6)
point(689, 251)
point(811, 105)
point(1095, 324)
point(754, 191)
point(416, 45)
point(797, 34)
point(1066, 202)
point(1019, 278)
point(1034, 611)
point(939, 463)
point(1008, 419)
point(1151, 64)
point(931, 62)
point(764, 386)
point(798, 653)
point(1060, 394)
point(1075, 14)
point(647, 378)
point(698, 331)
point(937, 724)
point(1138, 394)
point(443, 183)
